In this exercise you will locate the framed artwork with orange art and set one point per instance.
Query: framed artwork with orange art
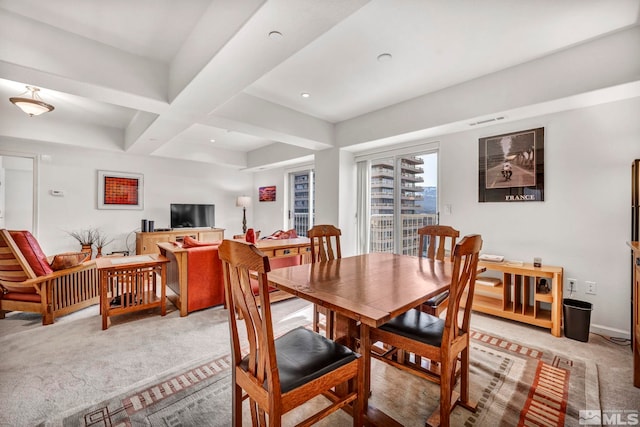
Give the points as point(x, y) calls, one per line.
point(120, 190)
point(267, 194)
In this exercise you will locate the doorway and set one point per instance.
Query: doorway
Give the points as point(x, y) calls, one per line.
point(18, 201)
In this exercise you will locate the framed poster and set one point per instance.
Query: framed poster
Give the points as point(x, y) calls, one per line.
point(511, 167)
point(120, 190)
point(267, 194)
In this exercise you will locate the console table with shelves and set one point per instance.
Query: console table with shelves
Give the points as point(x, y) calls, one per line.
point(517, 296)
point(147, 242)
point(286, 248)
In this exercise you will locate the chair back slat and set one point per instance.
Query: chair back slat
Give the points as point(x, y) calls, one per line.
point(13, 265)
point(436, 238)
point(241, 263)
point(325, 242)
point(465, 266)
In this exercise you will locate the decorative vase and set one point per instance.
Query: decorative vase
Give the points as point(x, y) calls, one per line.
point(99, 252)
point(87, 250)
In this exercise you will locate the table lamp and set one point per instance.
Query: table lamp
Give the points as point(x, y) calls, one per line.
point(243, 202)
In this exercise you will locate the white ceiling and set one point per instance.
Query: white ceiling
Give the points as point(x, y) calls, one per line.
point(163, 77)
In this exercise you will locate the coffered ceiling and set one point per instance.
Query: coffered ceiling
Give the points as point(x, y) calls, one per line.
point(222, 81)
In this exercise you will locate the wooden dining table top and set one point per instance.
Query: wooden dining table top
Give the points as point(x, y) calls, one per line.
point(370, 288)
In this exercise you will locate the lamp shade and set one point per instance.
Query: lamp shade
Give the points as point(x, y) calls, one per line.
point(33, 106)
point(243, 201)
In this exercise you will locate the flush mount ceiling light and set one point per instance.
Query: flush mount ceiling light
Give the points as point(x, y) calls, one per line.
point(385, 57)
point(275, 35)
point(33, 106)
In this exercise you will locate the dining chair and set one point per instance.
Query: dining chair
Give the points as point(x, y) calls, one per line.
point(436, 237)
point(325, 246)
point(280, 374)
point(440, 340)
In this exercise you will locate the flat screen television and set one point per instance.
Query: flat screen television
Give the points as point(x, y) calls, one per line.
point(187, 215)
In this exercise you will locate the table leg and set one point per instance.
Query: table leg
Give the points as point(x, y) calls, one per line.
point(163, 289)
point(104, 304)
point(365, 351)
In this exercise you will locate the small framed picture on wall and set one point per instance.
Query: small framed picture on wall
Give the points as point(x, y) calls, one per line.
point(267, 194)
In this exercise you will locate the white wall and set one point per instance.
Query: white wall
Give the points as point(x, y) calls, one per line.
point(268, 217)
point(74, 171)
point(584, 222)
point(17, 193)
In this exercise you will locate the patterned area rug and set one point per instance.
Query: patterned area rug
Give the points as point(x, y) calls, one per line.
point(514, 385)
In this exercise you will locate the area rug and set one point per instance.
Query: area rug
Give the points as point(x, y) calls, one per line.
point(514, 385)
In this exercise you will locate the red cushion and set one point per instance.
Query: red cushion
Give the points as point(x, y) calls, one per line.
point(190, 242)
point(21, 296)
point(255, 286)
point(277, 263)
point(68, 260)
point(285, 261)
point(31, 250)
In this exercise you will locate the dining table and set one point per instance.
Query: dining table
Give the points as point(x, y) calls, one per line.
point(365, 291)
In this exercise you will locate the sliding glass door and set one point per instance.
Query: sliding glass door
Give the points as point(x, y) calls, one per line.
point(301, 201)
point(403, 198)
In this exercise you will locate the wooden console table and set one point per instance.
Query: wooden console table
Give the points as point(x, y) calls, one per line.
point(129, 284)
point(146, 242)
point(635, 325)
point(286, 247)
point(517, 297)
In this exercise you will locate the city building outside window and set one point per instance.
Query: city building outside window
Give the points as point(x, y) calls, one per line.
point(301, 201)
point(403, 198)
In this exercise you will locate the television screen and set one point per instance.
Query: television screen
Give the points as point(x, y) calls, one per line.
point(191, 215)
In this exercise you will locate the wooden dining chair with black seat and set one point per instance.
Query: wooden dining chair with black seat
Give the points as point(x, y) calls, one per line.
point(436, 237)
point(325, 246)
point(444, 341)
point(280, 374)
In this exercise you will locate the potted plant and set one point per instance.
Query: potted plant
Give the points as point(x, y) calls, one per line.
point(101, 240)
point(86, 238)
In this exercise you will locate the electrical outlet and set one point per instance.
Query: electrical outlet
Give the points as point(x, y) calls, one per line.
point(591, 288)
point(572, 285)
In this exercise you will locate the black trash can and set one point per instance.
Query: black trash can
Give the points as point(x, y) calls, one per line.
point(577, 319)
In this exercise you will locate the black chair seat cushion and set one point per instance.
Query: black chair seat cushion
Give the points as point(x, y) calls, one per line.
point(303, 355)
point(417, 325)
point(435, 301)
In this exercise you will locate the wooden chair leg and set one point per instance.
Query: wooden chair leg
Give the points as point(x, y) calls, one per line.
point(237, 405)
point(316, 319)
point(465, 398)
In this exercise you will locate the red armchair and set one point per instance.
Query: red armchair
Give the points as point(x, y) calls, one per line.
point(194, 274)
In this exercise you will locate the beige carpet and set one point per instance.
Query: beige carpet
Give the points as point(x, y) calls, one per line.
point(513, 384)
point(49, 373)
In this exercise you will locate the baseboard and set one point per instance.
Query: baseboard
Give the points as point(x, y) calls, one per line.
point(610, 332)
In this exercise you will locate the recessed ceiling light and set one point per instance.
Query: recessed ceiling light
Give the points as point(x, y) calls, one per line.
point(385, 57)
point(275, 35)
point(212, 140)
point(305, 95)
